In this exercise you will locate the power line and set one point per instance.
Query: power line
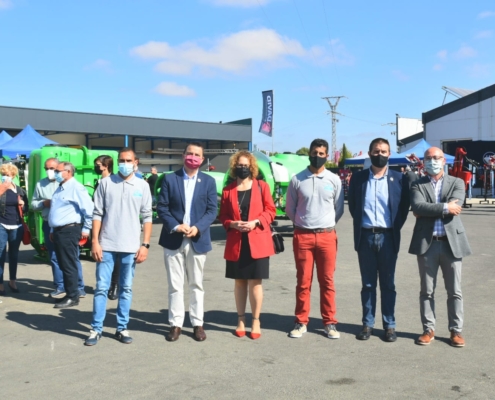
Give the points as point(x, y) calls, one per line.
point(310, 48)
point(330, 42)
point(283, 43)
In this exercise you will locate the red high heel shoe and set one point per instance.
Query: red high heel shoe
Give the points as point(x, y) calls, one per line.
point(255, 336)
point(237, 332)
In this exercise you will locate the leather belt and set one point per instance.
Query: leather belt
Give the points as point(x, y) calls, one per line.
point(378, 230)
point(442, 238)
point(318, 230)
point(58, 228)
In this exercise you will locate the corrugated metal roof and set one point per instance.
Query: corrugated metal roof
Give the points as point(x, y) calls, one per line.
point(16, 118)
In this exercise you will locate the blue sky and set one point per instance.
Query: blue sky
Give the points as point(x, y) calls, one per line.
point(209, 60)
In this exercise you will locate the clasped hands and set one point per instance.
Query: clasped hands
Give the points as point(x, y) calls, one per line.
point(243, 226)
point(188, 231)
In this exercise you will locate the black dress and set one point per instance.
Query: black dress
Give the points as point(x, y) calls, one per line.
point(247, 267)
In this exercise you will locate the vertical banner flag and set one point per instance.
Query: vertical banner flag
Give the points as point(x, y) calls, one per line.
point(266, 126)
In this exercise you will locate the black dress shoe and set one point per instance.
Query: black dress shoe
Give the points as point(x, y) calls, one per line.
point(112, 292)
point(365, 333)
point(390, 335)
point(199, 334)
point(13, 289)
point(174, 334)
point(67, 302)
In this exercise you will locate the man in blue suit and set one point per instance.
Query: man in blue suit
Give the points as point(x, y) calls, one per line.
point(379, 203)
point(188, 206)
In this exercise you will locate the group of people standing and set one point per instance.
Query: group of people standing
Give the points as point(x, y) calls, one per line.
point(379, 202)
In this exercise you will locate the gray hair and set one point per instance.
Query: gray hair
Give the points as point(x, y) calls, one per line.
point(68, 166)
point(52, 159)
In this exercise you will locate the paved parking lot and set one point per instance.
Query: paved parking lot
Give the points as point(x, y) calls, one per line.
point(43, 356)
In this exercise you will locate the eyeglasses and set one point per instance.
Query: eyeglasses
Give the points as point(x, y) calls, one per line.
point(242, 166)
point(50, 169)
point(436, 158)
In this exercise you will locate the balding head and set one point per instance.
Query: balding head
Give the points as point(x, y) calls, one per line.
point(434, 161)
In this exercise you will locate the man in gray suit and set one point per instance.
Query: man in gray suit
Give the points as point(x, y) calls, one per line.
point(439, 240)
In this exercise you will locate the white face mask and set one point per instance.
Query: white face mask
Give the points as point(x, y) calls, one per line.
point(6, 178)
point(50, 173)
point(433, 167)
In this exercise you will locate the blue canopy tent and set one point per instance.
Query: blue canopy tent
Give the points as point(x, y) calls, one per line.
point(24, 143)
point(4, 138)
point(395, 159)
point(419, 151)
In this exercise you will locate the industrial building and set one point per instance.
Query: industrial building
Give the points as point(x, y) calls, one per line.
point(157, 141)
point(468, 121)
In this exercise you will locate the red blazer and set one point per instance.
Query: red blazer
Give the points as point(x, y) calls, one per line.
point(261, 207)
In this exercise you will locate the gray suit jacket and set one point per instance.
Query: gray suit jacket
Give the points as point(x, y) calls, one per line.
point(423, 204)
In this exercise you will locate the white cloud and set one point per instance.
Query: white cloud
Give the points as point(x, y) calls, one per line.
point(480, 70)
point(442, 54)
point(400, 76)
point(338, 55)
point(173, 89)
point(100, 64)
point(465, 52)
point(486, 14)
point(236, 53)
point(5, 4)
point(438, 67)
point(240, 3)
point(484, 35)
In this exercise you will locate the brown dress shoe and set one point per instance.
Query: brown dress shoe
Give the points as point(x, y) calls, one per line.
point(199, 333)
point(426, 338)
point(174, 334)
point(456, 339)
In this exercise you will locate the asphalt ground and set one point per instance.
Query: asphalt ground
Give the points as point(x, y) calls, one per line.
point(43, 356)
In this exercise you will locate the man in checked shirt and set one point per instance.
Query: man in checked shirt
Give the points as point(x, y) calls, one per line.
point(439, 240)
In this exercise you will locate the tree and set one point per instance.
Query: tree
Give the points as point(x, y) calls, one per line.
point(344, 153)
point(303, 151)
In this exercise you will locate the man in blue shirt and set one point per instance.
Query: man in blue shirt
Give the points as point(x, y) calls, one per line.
point(41, 202)
point(379, 203)
point(70, 208)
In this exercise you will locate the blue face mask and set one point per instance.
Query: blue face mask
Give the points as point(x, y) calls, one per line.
point(6, 179)
point(58, 177)
point(126, 169)
point(433, 167)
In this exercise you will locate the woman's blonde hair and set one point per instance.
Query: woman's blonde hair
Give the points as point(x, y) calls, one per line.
point(9, 169)
point(253, 164)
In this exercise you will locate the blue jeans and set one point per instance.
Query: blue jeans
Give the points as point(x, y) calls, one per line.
point(12, 238)
point(58, 277)
point(103, 277)
point(377, 259)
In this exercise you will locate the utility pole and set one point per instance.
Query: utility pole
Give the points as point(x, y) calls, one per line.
point(333, 112)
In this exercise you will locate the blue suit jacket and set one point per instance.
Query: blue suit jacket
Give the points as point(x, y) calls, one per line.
point(398, 202)
point(171, 209)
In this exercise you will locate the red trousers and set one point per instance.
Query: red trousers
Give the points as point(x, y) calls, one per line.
point(310, 248)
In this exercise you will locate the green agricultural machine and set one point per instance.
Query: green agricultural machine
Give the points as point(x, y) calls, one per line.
point(276, 170)
point(83, 159)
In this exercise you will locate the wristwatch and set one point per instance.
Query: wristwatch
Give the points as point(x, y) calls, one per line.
point(147, 245)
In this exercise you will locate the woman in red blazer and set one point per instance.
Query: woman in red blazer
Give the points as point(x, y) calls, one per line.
point(246, 212)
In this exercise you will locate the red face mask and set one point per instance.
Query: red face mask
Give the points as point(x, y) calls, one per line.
point(192, 162)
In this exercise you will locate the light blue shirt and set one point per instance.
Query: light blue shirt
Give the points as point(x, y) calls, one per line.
point(189, 185)
point(376, 209)
point(71, 204)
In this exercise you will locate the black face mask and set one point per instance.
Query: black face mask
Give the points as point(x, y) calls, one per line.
point(317, 162)
point(98, 170)
point(242, 172)
point(379, 161)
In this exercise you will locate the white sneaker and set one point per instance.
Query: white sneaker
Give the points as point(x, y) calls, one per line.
point(332, 332)
point(298, 331)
